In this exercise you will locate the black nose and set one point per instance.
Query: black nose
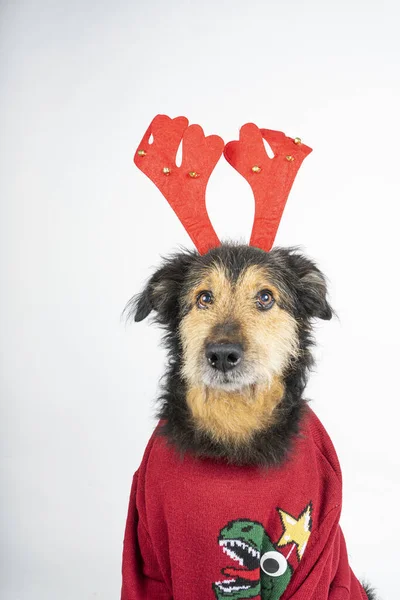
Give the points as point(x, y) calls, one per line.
point(224, 357)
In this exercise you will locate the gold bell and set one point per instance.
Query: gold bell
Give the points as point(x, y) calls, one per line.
point(297, 140)
point(256, 169)
point(194, 174)
point(166, 170)
point(142, 152)
point(290, 158)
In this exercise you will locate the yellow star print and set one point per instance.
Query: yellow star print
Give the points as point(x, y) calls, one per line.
point(297, 530)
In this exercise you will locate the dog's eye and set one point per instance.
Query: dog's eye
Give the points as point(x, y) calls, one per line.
point(204, 299)
point(265, 300)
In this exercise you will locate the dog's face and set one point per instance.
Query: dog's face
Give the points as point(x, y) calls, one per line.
point(235, 317)
point(235, 332)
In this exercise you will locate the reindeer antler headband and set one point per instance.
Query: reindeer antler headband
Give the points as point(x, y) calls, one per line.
point(184, 187)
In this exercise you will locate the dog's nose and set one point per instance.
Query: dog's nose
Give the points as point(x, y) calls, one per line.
point(224, 357)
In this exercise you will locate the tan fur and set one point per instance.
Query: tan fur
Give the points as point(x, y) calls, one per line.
point(269, 339)
point(229, 416)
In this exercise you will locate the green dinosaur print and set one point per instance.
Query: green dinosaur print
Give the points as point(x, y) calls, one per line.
point(260, 570)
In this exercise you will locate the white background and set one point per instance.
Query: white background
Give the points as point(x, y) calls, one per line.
point(81, 230)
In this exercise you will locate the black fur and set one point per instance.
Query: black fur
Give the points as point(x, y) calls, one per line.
point(371, 594)
point(303, 290)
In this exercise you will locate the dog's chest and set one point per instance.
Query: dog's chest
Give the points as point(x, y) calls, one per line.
point(236, 528)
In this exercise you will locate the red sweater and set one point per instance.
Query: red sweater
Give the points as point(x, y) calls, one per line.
point(200, 529)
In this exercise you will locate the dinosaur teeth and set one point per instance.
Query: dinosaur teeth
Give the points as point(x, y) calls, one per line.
point(253, 551)
point(226, 587)
point(232, 543)
point(233, 555)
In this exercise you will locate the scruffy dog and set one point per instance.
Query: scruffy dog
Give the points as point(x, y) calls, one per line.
point(239, 492)
point(238, 330)
point(238, 327)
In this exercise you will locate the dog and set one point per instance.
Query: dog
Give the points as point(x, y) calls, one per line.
point(238, 465)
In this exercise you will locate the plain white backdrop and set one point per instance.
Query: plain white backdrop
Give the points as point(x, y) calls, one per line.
point(82, 229)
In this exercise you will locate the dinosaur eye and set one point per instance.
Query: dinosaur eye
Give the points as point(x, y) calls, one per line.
point(265, 300)
point(204, 299)
point(273, 563)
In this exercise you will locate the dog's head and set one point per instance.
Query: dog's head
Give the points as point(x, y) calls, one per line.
point(237, 318)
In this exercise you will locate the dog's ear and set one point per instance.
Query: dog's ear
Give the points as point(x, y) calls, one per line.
point(311, 288)
point(161, 294)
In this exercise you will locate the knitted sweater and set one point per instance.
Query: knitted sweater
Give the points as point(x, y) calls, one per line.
point(201, 529)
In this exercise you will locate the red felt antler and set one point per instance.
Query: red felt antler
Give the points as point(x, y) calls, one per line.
point(184, 187)
point(270, 178)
